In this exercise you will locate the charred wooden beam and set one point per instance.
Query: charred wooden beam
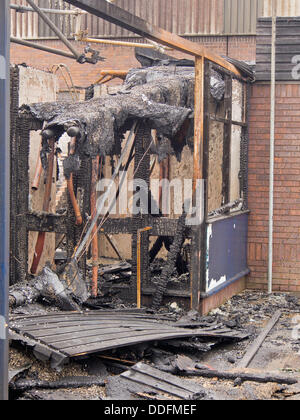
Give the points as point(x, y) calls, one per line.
point(46, 222)
point(244, 377)
point(66, 383)
point(227, 138)
point(171, 262)
point(123, 18)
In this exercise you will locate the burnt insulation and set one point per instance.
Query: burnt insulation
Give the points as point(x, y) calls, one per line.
point(162, 100)
point(161, 97)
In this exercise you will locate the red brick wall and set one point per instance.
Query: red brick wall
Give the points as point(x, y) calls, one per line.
point(121, 58)
point(286, 275)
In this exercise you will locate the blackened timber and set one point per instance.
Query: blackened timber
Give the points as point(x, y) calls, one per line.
point(66, 383)
point(46, 222)
point(171, 262)
point(243, 376)
point(161, 226)
point(251, 352)
point(245, 149)
point(14, 107)
point(22, 178)
point(225, 121)
point(227, 139)
point(140, 220)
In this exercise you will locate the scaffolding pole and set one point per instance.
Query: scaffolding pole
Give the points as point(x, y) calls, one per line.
point(4, 194)
point(25, 9)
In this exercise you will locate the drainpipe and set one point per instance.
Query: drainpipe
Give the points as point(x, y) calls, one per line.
point(272, 145)
point(4, 194)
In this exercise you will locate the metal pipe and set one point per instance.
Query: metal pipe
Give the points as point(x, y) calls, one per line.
point(46, 204)
point(23, 9)
point(41, 47)
point(111, 74)
point(272, 145)
point(95, 256)
point(71, 187)
point(4, 194)
point(74, 202)
point(54, 28)
point(119, 43)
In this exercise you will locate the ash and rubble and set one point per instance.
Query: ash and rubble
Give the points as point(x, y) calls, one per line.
point(96, 376)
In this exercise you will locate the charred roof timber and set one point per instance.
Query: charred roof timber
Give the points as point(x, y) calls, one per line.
point(121, 17)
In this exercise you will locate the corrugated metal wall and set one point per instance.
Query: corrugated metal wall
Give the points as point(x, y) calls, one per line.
point(240, 16)
point(29, 25)
point(24, 25)
point(285, 8)
point(183, 17)
point(65, 23)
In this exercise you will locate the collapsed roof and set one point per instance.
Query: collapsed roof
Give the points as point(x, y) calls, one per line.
point(162, 96)
point(161, 99)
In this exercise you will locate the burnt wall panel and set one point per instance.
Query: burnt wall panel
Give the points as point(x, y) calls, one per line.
point(226, 251)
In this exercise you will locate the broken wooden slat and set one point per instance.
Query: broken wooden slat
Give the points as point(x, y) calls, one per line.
point(93, 330)
point(251, 352)
point(154, 378)
point(116, 268)
point(168, 378)
point(158, 385)
point(245, 377)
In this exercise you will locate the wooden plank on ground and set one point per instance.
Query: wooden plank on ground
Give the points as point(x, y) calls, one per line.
point(251, 352)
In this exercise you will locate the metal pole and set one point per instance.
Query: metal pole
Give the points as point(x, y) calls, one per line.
point(119, 43)
point(42, 47)
point(272, 145)
point(23, 9)
point(4, 193)
point(54, 28)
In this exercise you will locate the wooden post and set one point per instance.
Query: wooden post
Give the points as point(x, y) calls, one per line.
point(197, 175)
